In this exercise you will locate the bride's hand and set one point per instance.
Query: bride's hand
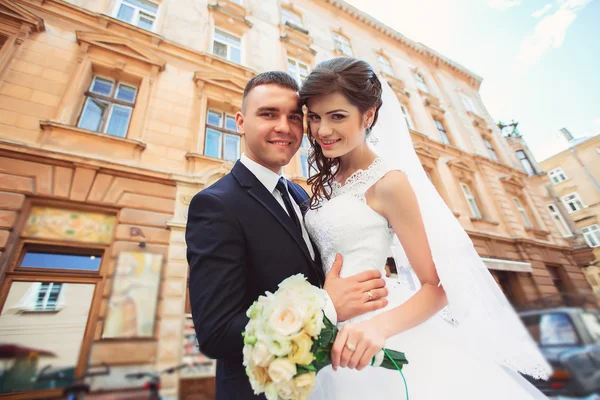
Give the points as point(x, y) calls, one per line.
point(356, 345)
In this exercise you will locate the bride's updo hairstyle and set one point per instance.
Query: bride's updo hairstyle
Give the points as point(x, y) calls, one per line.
point(356, 80)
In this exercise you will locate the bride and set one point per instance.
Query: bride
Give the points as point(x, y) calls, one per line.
point(370, 196)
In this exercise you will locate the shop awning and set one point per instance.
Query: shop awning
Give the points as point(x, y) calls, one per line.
point(507, 265)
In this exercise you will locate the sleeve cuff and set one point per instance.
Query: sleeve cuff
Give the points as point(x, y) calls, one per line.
point(329, 310)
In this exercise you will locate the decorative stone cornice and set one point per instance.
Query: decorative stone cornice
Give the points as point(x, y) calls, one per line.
point(120, 45)
point(398, 86)
point(18, 16)
point(297, 42)
point(514, 181)
point(230, 16)
point(473, 79)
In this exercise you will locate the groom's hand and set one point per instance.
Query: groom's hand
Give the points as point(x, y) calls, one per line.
point(355, 295)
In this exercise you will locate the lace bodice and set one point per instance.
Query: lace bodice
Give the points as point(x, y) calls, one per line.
point(346, 224)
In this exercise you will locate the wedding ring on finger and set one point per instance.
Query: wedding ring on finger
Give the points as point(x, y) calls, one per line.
point(350, 346)
point(370, 295)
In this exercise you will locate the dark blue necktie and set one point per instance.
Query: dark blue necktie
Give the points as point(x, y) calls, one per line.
point(281, 187)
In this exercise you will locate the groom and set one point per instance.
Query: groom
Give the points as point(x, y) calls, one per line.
point(245, 234)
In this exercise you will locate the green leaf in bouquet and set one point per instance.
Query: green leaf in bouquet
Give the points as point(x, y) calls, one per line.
point(303, 369)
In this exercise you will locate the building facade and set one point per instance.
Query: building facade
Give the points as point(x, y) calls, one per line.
point(114, 113)
point(575, 177)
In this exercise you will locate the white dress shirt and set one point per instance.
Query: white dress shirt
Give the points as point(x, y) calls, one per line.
point(269, 180)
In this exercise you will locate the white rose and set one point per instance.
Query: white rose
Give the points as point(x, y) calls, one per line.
point(315, 324)
point(304, 383)
point(271, 391)
point(285, 390)
point(258, 377)
point(279, 347)
point(282, 370)
point(261, 355)
point(247, 352)
point(255, 310)
point(287, 319)
point(293, 281)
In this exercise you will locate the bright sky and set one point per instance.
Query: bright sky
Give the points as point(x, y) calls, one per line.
point(539, 59)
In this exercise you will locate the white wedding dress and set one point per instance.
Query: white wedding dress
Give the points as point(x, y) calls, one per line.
point(439, 366)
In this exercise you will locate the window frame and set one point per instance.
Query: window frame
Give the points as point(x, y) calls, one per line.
point(445, 138)
point(576, 198)
point(33, 303)
point(407, 116)
point(111, 100)
point(137, 12)
point(14, 274)
point(339, 46)
point(224, 133)
point(468, 103)
point(228, 58)
point(523, 211)
point(557, 173)
point(297, 62)
point(595, 233)
point(469, 196)
point(284, 20)
point(491, 149)
point(421, 82)
point(557, 217)
point(526, 158)
point(387, 64)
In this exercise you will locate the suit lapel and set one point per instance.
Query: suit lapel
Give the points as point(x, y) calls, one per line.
point(258, 191)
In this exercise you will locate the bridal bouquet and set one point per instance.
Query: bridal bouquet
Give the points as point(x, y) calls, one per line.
point(289, 339)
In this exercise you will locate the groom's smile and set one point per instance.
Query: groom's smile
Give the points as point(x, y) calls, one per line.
point(271, 121)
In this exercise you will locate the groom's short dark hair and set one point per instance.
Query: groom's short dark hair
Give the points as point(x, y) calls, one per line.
point(278, 78)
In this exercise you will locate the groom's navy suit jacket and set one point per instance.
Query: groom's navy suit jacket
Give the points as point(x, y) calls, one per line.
point(240, 243)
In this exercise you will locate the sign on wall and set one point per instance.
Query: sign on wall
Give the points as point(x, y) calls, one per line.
point(64, 224)
point(132, 303)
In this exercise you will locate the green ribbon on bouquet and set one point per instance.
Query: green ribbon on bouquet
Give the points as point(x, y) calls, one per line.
point(321, 350)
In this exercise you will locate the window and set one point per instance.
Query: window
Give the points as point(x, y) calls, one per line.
point(304, 151)
point(573, 202)
point(592, 322)
point(384, 65)
point(525, 162)
point(37, 259)
point(442, 131)
point(468, 103)
point(475, 213)
point(421, 82)
point(407, 117)
point(46, 298)
point(592, 235)
point(552, 329)
point(298, 70)
point(240, 2)
point(140, 13)
point(557, 175)
point(560, 222)
point(293, 18)
point(108, 107)
point(227, 46)
point(491, 149)
point(522, 211)
point(222, 139)
point(342, 44)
